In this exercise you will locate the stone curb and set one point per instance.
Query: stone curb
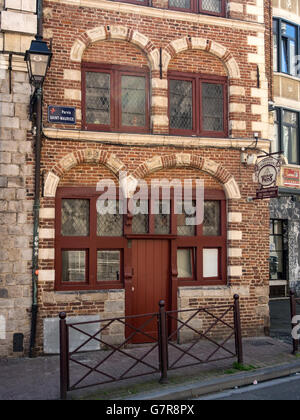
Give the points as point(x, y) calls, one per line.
point(201, 388)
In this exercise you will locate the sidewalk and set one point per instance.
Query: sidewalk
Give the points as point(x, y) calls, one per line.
point(38, 379)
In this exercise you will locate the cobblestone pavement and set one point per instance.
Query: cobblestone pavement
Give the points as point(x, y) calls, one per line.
point(38, 379)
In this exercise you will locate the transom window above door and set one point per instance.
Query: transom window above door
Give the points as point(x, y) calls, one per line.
point(198, 104)
point(115, 98)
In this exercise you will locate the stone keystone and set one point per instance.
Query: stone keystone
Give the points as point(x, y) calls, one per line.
point(129, 185)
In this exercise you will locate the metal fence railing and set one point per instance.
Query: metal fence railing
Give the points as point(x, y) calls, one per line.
point(173, 339)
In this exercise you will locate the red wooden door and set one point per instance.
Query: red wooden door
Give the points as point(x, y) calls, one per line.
point(150, 283)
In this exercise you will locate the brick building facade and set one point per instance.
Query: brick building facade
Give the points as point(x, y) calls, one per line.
point(161, 91)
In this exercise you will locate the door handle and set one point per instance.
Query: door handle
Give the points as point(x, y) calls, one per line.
point(132, 289)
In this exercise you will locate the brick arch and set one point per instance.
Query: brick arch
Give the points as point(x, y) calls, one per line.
point(191, 161)
point(92, 156)
point(114, 32)
point(184, 44)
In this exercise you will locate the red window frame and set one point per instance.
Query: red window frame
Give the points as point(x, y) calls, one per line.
point(116, 72)
point(200, 242)
point(197, 81)
point(93, 243)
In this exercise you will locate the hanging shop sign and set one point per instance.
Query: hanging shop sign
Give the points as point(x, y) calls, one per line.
point(290, 177)
point(266, 173)
point(61, 114)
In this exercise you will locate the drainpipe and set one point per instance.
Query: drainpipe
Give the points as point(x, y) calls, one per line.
point(36, 206)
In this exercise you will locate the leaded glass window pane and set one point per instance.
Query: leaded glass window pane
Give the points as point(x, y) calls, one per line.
point(140, 224)
point(181, 104)
point(108, 265)
point(182, 215)
point(133, 101)
point(97, 98)
point(162, 220)
point(180, 4)
point(111, 223)
point(73, 266)
point(214, 6)
point(75, 217)
point(211, 224)
point(212, 107)
point(140, 218)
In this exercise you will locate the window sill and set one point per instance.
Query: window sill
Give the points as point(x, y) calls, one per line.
point(150, 236)
point(73, 289)
point(148, 139)
point(85, 292)
point(196, 285)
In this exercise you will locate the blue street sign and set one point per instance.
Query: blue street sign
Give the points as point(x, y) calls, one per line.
point(61, 114)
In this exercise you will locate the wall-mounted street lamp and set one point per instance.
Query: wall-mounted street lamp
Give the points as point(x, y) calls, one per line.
point(38, 59)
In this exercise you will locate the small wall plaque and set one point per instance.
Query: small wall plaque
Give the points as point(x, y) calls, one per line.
point(61, 114)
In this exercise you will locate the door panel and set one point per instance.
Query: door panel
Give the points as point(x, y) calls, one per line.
point(150, 283)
